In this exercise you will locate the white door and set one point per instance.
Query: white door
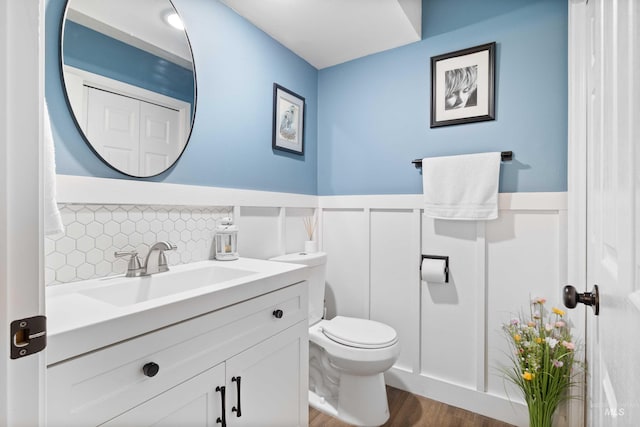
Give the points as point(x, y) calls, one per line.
point(160, 136)
point(267, 384)
point(21, 238)
point(613, 183)
point(113, 127)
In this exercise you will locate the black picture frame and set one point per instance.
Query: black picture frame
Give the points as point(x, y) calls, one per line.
point(288, 120)
point(463, 86)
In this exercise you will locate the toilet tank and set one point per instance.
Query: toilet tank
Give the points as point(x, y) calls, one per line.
point(317, 263)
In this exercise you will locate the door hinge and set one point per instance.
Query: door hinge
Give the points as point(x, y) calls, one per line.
point(28, 336)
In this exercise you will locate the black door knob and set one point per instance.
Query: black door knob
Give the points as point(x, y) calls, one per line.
point(278, 314)
point(150, 369)
point(571, 298)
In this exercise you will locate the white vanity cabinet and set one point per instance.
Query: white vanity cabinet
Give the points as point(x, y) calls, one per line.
point(262, 340)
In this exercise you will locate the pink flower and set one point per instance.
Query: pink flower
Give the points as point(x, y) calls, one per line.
point(560, 324)
point(538, 300)
point(568, 345)
point(515, 322)
point(557, 363)
point(536, 315)
point(548, 327)
point(531, 324)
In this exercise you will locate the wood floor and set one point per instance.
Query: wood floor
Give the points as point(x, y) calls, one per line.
point(408, 410)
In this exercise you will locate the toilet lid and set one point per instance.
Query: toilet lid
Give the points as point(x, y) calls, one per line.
point(360, 333)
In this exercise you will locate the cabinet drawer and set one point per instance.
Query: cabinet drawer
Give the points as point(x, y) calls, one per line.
point(95, 387)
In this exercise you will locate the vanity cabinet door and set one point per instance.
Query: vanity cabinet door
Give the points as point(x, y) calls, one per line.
point(194, 403)
point(272, 391)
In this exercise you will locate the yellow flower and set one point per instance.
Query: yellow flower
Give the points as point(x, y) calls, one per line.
point(538, 340)
point(517, 337)
point(527, 376)
point(558, 311)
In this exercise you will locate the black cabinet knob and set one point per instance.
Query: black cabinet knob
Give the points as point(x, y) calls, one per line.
point(278, 314)
point(150, 369)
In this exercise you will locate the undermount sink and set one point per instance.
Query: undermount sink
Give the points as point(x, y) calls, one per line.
point(123, 292)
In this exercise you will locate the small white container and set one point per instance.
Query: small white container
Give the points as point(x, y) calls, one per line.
point(226, 240)
point(310, 246)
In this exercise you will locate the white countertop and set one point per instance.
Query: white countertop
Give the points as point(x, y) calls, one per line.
point(77, 323)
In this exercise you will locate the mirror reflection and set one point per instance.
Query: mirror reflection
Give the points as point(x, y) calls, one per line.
point(130, 82)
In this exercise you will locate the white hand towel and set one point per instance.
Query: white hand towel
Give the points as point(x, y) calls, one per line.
point(52, 219)
point(461, 187)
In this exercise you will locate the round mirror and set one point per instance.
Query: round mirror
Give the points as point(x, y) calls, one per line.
point(130, 83)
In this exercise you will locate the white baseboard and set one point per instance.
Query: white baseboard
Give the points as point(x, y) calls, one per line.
point(496, 407)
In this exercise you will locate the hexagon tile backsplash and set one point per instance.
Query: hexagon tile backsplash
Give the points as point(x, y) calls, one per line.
point(94, 232)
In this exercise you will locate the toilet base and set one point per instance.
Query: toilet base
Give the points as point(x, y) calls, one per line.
point(362, 401)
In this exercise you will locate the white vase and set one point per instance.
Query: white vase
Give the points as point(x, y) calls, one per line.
point(310, 246)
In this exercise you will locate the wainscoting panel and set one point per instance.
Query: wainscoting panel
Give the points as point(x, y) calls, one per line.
point(523, 262)
point(295, 234)
point(447, 306)
point(259, 234)
point(452, 347)
point(395, 279)
point(345, 238)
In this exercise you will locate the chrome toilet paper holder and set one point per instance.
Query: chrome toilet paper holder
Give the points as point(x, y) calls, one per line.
point(446, 264)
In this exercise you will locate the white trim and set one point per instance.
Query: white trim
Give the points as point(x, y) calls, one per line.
point(506, 201)
point(576, 216)
point(481, 307)
point(22, 388)
point(90, 190)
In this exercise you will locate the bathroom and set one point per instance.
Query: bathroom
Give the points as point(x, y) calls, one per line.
point(365, 121)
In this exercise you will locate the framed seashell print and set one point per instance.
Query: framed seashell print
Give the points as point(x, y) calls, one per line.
point(288, 120)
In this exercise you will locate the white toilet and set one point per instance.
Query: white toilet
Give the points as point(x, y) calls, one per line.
point(347, 356)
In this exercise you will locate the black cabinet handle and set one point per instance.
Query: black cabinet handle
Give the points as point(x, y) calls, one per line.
point(223, 419)
point(278, 313)
point(237, 410)
point(150, 369)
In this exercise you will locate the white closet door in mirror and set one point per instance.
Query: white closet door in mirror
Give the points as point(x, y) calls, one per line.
point(160, 131)
point(113, 125)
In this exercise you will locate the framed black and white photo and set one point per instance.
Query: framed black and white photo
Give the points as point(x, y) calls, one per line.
point(463, 86)
point(288, 120)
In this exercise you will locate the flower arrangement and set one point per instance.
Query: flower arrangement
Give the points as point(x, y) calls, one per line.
point(543, 360)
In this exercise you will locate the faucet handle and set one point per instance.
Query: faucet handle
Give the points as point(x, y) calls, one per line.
point(163, 265)
point(134, 267)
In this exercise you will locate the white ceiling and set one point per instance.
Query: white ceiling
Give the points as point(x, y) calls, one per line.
point(139, 23)
point(330, 32)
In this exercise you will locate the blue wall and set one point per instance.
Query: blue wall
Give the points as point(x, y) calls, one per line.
point(92, 51)
point(374, 112)
point(230, 146)
point(365, 119)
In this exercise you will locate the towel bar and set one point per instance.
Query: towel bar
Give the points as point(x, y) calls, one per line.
point(505, 156)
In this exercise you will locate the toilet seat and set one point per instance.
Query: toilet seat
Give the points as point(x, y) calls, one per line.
point(359, 333)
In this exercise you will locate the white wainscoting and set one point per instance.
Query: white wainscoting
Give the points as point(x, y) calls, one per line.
point(451, 339)
point(450, 334)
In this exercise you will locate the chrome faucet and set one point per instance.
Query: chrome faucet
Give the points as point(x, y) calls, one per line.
point(155, 262)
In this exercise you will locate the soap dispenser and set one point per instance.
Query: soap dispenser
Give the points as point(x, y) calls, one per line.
point(226, 240)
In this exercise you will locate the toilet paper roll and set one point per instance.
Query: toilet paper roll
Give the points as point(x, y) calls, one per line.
point(434, 270)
